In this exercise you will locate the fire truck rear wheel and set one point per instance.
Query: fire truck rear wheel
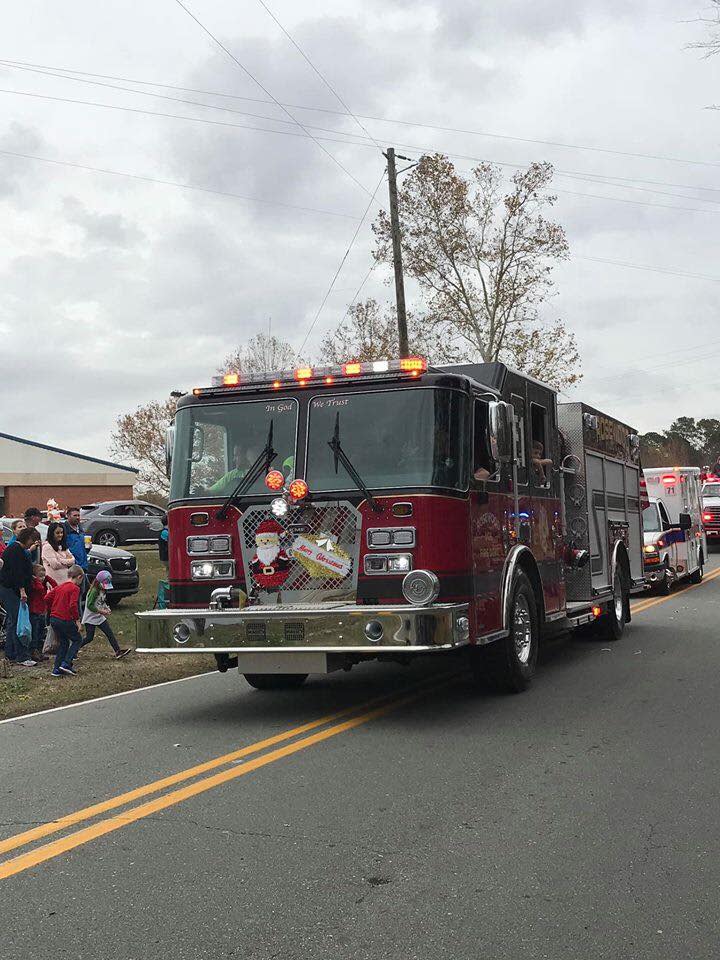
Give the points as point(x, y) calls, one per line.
point(611, 625)
point(275, 681)
point(510, 663)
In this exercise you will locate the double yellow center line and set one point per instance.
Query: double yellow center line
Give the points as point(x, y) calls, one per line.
point(380, 706)
point(213, 773)
point(654, 601)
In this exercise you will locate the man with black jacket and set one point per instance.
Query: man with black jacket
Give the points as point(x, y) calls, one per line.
point(15, 578)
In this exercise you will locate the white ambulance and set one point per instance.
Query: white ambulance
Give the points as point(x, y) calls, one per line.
point(675, 543)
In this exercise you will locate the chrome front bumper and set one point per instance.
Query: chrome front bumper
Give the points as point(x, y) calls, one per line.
point(338, 628)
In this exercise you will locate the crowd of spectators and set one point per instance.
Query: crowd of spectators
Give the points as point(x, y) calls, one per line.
point(51, 609)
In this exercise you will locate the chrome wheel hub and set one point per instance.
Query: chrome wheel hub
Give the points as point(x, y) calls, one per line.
point(522, 629)
point(618, 600)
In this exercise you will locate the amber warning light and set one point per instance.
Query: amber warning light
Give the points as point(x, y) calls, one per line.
point(405, 367)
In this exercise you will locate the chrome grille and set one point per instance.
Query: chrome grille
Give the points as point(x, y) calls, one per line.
point(256, 632)
point(294, 633)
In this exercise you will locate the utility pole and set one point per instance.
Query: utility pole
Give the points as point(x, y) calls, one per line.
point(397, 252)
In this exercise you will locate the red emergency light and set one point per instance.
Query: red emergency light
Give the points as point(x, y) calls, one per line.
point(707, 516)
point(298, 490)
point(669, 479)
point(274, 480)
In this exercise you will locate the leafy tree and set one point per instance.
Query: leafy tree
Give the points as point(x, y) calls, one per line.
point(710, 45)
point(483, 258)
point(369, 332)
point(140, 438)
point(262, 352)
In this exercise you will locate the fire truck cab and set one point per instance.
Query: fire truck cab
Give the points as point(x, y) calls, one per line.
point(386, 510)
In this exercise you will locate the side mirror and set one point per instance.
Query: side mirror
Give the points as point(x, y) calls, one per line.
point(685, 521)
point(169, 447)
point(500, 422)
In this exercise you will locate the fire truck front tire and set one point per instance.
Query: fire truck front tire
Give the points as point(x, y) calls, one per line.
point(509, 664)
point(275, 681)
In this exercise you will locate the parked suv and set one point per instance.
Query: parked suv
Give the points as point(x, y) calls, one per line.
point(122, 521)
point(121, 564)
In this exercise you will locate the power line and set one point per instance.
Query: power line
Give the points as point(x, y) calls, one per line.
point(312, 66)
point(661, 366)
point(267, 92)
point(392, 120)
point(637, 266)
point(164, 96)
point(340, 265)
point(627, 182)
point(172, 183)
point(305, 136)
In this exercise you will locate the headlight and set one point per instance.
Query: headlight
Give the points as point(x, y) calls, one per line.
point(212, 569)
point(421, 587)
point(649, 548)
point(376, 563)
point(198, 545)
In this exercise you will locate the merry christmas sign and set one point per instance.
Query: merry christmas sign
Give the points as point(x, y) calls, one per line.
point(321, 557)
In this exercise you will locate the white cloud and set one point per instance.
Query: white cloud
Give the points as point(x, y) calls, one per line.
point(114, 291)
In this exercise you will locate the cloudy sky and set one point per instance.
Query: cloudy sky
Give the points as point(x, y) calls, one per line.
point(115, 290)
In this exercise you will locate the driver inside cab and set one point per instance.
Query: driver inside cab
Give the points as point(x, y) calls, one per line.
point(242, 461)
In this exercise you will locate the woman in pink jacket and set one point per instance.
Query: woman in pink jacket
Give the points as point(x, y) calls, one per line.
point(56, 558)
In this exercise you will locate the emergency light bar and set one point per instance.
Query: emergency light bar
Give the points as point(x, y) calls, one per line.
point(406, 366)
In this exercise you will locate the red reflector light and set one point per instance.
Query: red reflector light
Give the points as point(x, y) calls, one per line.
point(413, 365)
point(274, 480)
point(596, 611)
point(303, 373)
point(299, 490)
point(351, 369)
point(231, 379)
point(669, 478)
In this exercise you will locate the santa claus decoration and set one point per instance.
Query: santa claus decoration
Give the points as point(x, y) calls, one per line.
point(270, 565)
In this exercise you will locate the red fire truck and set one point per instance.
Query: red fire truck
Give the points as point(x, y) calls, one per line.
point(386, 510)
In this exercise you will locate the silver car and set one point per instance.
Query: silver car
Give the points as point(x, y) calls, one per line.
point(122, 521)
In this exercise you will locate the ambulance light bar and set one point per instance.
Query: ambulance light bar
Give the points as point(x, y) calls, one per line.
point(301, 376)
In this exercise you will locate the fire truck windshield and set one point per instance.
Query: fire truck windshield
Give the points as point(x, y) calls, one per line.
point(216, 444)
point(395, 438)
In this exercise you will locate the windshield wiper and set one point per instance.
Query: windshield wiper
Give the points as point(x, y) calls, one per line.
point(265, 458)
point(342, 457)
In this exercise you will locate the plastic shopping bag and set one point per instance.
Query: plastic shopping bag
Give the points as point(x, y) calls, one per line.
point(23, 621)
point(52, 644)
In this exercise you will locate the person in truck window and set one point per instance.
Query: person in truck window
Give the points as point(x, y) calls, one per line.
point(539, 462)
point(242, 460)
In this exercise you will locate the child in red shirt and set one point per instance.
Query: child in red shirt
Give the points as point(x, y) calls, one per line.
point(64, 607)
point(39, 586)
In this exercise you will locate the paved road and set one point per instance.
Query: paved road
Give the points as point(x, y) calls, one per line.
point(579, 820)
